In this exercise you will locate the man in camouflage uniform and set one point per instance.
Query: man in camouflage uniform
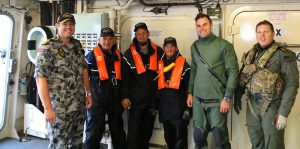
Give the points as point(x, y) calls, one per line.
point(61, 75)
point(269, 81)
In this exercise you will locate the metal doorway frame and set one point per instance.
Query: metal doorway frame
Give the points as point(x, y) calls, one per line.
point(5, 60)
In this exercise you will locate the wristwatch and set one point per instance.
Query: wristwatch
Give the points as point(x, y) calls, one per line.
point(227, 99)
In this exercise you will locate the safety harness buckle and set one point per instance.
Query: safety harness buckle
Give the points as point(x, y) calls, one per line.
point(114, 81)
point(147, 66)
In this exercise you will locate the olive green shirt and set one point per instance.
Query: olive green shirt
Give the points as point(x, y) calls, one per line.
point(220, 56)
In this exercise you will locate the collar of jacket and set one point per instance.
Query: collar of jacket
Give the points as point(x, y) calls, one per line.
point(259, 48)
point(113, 52)
point(57, 38)
point(208, 39)
point(76, 45)
point(138, 49)
point(173, 58)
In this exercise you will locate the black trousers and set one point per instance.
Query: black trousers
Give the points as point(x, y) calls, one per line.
point(140, 127)
point(175, 133)
point(95, 127)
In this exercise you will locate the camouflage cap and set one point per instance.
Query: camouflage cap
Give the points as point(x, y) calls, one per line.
point(171, 40)
point(140, 25)
point(106, 31)
point(66, 17)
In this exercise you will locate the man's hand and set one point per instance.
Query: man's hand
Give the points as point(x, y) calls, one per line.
point(225, 106)
point(126, 103)
point(50, 115)
point(187, 114)
point(189, 100)
point(280, 122)
point(88, 102)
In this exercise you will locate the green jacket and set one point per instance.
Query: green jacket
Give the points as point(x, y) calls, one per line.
point(221, 57)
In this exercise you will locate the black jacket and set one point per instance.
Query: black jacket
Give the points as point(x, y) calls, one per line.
point(104, 93)
point(172, 102)
point(140, 89)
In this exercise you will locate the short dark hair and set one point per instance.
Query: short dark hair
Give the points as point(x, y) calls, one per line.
point(170, 40)
point(265, 22)
point(202, 15)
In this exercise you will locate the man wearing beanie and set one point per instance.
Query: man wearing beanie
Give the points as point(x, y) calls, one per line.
point(173, 80)
point(139, 88)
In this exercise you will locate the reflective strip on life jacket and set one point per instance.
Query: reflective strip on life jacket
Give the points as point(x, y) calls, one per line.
point(139, 65)
point(99, 56)
point(175, 77)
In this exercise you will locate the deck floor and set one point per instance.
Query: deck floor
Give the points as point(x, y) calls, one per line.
point(33, 143)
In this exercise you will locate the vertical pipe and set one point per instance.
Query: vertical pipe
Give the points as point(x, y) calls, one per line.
point(79, 6)
point(84, 6)
point(14, 96)
point(118, 26)
point(112, 15)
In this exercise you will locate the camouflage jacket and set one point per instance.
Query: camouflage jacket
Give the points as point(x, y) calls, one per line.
point(62, 65)
point(283, 62)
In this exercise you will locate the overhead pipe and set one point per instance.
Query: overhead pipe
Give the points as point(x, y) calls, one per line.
point(123, 6)
point(168, 4)
point(116, 7)
point(118, 2)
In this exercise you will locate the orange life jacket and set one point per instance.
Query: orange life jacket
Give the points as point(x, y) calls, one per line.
point(99, 56)
point(139, 65)
point(175, 77)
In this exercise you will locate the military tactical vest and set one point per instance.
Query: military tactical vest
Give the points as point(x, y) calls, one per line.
point(257, 79)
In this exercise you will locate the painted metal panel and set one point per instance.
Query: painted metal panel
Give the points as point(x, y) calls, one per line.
point(182, 28)
point(88, 28)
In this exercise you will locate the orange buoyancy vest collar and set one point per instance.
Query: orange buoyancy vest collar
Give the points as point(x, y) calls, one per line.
point(175, 77)
point(99, 56)
point(139, 65)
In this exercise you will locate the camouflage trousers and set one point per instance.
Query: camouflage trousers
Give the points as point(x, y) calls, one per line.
point(67, 132)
